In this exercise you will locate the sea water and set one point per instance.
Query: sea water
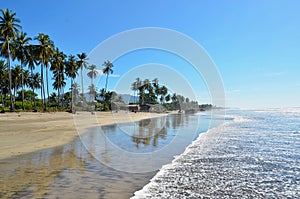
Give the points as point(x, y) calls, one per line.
point(257, 155)
point(89, 167)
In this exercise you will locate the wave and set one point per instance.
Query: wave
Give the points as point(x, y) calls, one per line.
point(254, 155)
point(202, 139)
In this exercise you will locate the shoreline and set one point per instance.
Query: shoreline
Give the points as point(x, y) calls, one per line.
point(26, 132)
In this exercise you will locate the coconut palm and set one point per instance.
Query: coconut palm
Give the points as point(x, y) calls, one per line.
point(92, 90)
point(102, 94)
point(32, 57)
point(57, 66)
point(16, 75)
point(107, 70)
point(9, 27)
point(163, 93)
point(44, 52)
point(3, 81)
point(71, 71)
point(21, 53)
point(147, 85)
point(92, 74)
point(168, 98)
point(82, 64)
point(75, 91)
point(35, 83)
point(134, 87)
point(138, 84)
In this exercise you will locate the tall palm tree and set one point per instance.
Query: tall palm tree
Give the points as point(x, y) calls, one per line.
point(138, 84)
point(9, 27)
point(32, 57)
point(16, 74)
point(82, 62)
point(35, 83)
point(71, 71)
point(21, 53)
point(107, 70)
point(134, 87)
point(3, 81)
point(57, 66)
point(45, 52)
point(102, 94)
point(92, 74)
point(163, 93)
point(75, 93)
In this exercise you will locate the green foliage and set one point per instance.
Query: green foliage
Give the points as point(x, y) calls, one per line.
point(28, 105)
point(28, 95)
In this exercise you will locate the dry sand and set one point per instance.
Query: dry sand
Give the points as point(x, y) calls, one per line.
point(27, 132)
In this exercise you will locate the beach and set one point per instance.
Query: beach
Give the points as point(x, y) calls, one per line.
point(26, 132)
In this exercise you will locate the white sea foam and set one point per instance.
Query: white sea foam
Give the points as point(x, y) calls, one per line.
point(256, 154)
point(145, 192)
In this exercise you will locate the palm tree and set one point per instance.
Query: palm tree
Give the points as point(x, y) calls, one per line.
point(71, 71)
point(163, 93)
point(147, 84)
point(45, 52)
point(32, 60)
point(138, 84)
point(75, 93)
point(35, 83)
point(107, 70)
point(16, 74)
point(134, 87)
point(21, 53)
point(32, 57)
point(57, 66)
point(102, 94)
point(82, 64)
point(92, 74)
point(174, 101)
point(9, 27)
point(3, 81)
point(168, 98)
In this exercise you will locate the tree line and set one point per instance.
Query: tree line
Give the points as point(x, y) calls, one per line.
point(147, 92)
point(16, 46)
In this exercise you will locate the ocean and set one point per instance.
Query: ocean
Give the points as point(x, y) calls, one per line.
point(256, 155)
point(247, 154)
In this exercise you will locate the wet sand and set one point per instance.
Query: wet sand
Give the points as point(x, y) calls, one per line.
point(22, 133)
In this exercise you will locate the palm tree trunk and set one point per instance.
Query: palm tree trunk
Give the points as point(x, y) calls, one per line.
point(32, 89)
point(72, 95)
point(46, 65)
point(12, 106)
point(2, 97)
point(22, 86)
point(82, 84)
point(58, 96)
point(34, 99)
point(106, 82)
point(43, 88)
point(15, 91)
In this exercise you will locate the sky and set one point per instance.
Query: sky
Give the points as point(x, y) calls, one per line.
point(254, 44)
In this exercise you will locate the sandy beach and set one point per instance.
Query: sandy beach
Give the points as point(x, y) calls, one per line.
point(27, 132)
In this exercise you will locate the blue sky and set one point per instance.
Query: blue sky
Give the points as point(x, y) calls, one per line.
point(254, 44)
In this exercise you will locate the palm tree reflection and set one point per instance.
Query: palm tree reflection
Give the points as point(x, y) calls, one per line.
point(154, 129)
